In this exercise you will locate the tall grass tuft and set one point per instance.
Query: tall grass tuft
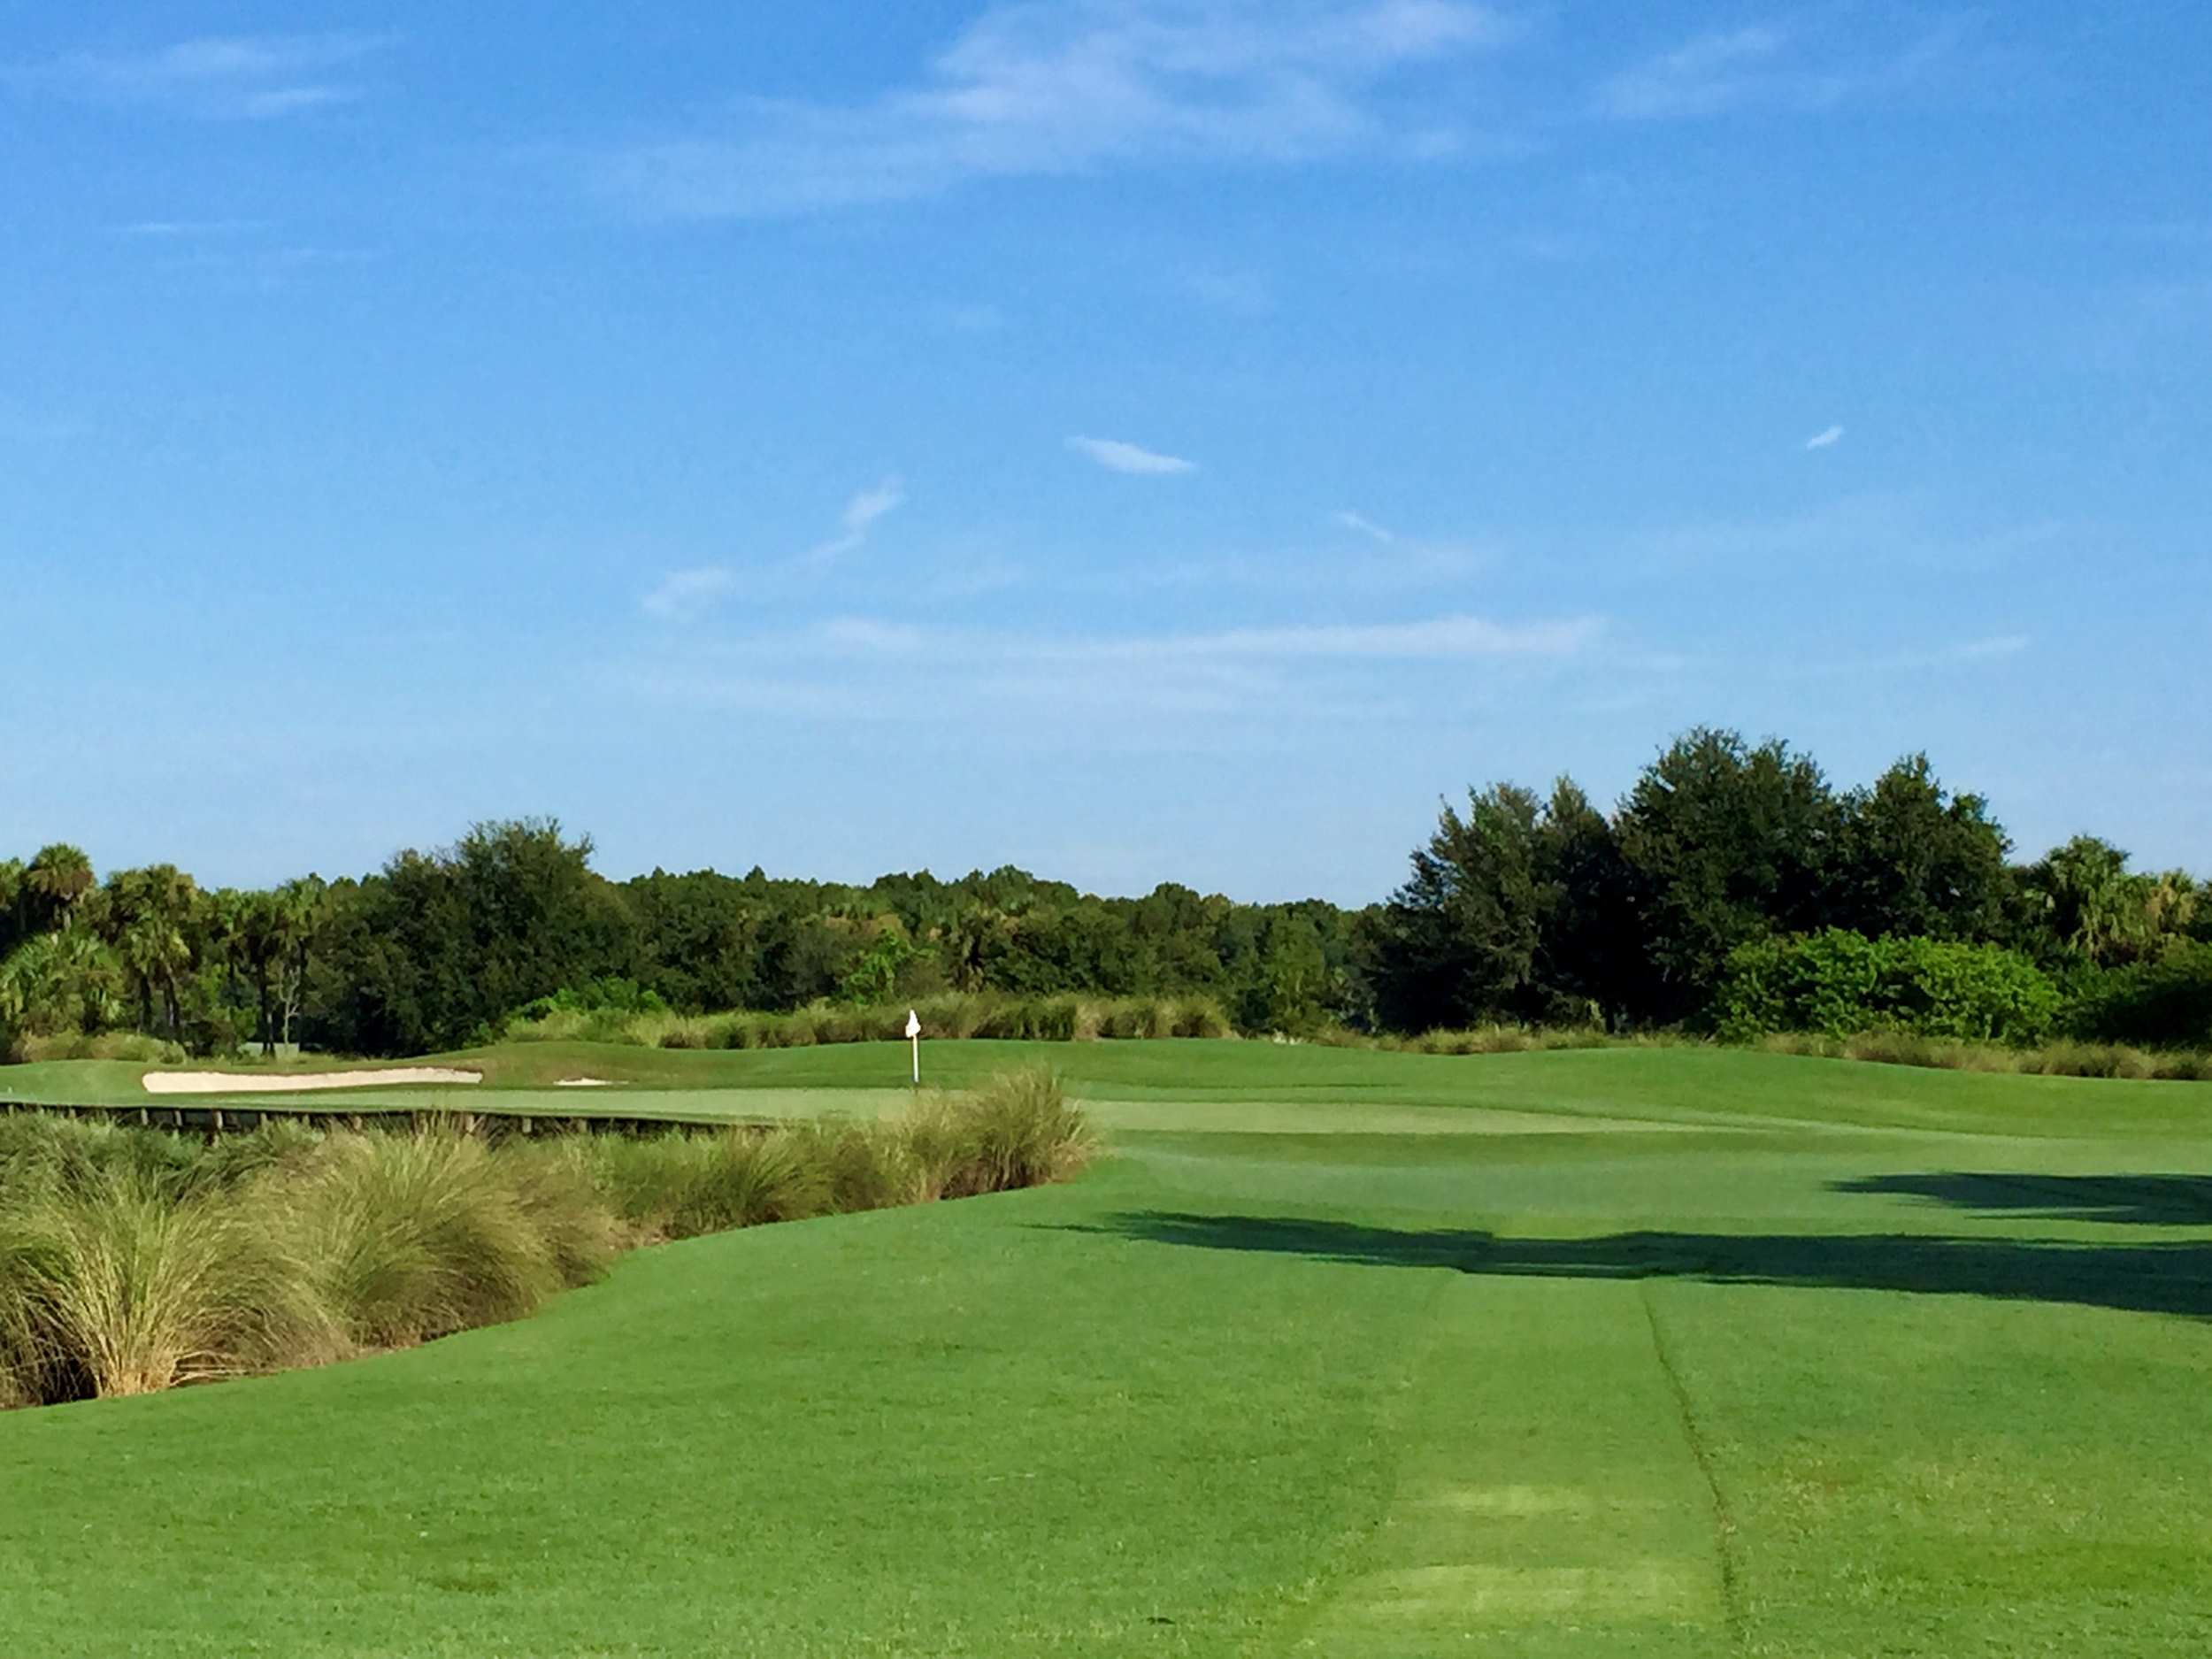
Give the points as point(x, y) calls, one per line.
point(399, 1238)
point(954, 1014)
point(121, 1289)
point(1018, 1129)
point(680, 1186)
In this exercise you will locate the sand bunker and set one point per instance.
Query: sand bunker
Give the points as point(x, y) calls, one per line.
point(295, 1083)
point(583, 1082)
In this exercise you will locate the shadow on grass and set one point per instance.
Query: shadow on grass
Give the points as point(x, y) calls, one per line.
point(2150, 1201)
point(2174, 1278)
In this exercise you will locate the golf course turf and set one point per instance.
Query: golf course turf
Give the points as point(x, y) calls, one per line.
point(1669, 1352)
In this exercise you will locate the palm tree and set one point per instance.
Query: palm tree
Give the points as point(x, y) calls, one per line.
point(151, 916)
point(2176, 898)
point(61, 875)
point(11, 924)
point(2095, 906)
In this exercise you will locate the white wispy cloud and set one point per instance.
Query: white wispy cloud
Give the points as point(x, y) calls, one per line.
point(1360, 525)
point(1434, 639)
point(1887, 530)
point(250, 77)
point(1030, 89)
point(184, 229)
point(261, 106)
point(683, 594)
point(1985, 650)
point(871, 668)
point(1825, 439)
point(854, 524)
point(1770, 66)
point(1117, 457)
point(1452, 636)
point(1966, 653)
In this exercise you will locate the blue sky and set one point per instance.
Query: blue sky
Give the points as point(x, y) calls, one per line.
point(1139, 439)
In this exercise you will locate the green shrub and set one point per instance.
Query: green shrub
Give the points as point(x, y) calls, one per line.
point(1843, 984)
point(2165, 1000)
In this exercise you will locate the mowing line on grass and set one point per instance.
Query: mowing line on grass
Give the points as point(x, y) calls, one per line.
point(1724, 1518)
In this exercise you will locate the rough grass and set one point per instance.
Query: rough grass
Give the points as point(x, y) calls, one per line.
point(2063, 1058)
point(133, 1260)
point(399, 1238)
point(987, 1016)
point(107, 1045)
point(116, 1288)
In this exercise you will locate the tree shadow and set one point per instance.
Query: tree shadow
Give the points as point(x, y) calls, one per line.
point(2150, 1201)
point(2167, 1277)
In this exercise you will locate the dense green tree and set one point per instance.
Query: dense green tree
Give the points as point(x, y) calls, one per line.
point(1912, 858)
point(14, 903)
point(1588, 946)
point(1727, 843)
point(1290, 989)
point(437, 949)
point(1460, 941)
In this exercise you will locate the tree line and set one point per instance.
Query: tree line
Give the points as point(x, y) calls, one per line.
point(1728, 860)
point(437, 949)
point(1668, 911)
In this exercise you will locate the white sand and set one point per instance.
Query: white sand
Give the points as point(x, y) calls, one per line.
point(583, 1082)
point(295, 1082)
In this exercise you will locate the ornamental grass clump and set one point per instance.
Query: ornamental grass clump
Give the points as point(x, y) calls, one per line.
point(119, 1287)
point(402, 1237)
point(1018, 1129)
point(132, 1260)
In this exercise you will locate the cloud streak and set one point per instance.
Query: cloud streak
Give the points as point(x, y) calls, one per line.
point(1133, 459)
point(1773, 68)
point(1031, 90)
point(869, 668)
point(684, 594)
point(1360, 525)
point(1825, 439)
point(244, 76)
point(854, 524)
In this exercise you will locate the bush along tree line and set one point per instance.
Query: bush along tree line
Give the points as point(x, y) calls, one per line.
point(1733, 891)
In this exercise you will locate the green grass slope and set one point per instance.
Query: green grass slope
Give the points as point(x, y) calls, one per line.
point(1360, 1392)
